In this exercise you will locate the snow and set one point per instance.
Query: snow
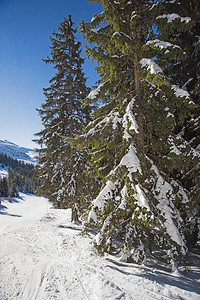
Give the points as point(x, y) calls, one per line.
point(180, 92)
point(123, 198)
point(43, 256)
point(23, 154)
point(150, 65)
point(100, 200)
point(165, 204)
point(173, 147)
point(133, 15)
point(94, 93)
point(162, 44)
point(99, 237)
point(131, 161)
point(95, 17)
point(184, 87)
point(112, 117)
point(116, 120)
point(116, 33)
point(172, 17)
point(140, 197)
point(129, 118)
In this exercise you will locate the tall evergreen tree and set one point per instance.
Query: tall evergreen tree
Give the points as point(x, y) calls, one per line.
point(63, 115)
point(181, 27)
point(132, 139)
point(4, 191)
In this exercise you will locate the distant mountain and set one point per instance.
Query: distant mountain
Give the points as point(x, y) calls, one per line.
point(14, 151)
point(17, 170)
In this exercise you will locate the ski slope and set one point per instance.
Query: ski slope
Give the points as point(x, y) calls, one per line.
point(44, 257)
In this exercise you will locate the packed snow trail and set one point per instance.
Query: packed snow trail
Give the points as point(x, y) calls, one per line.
point(44, 257)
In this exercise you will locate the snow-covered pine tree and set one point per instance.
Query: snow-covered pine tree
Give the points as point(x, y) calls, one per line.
point(132, 138)
point(181, 27)
point(63, 116)
point(4, 191)
point(13, 191)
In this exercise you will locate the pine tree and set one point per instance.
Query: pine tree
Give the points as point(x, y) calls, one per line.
point(13, 191)
point(4, 187)
point(132, 139)
point(1, 189)
point(181, 27)
point(63, 116)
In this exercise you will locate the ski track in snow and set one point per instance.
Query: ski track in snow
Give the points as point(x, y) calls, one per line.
point(44, 257)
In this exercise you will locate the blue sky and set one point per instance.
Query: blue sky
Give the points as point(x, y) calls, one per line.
point(25, 27)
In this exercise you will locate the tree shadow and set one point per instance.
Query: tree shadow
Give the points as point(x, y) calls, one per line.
point(4, 213)
point(70, 227)
point(13, 199)
point(7, 214)
point(189, 282)
point(2, 207)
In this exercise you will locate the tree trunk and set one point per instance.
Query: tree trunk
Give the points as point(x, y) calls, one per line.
point(74, 216)
point(71, 129)
point(140, 137)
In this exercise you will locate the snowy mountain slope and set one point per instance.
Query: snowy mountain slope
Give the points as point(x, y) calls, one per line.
point(43, 257)
point(16, 152)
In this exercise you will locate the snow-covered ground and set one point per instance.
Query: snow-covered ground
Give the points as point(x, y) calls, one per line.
point(43, 257)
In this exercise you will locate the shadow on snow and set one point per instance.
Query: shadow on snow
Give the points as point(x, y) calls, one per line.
point(70, 227)
point(188, 282)
point(3, 208)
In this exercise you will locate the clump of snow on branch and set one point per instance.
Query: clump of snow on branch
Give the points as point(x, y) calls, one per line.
point(129, 117)
point(180, 92)
point(71, 186)
point(112, 117)
point(173, 148)
point(99, 202)
point(162, 44)
point(99, 237)
point(94, 93)
point(123, 198)
point(140, 197)
point(116, 120)
point(171, 17)
point(150, 65)
point(131, 162)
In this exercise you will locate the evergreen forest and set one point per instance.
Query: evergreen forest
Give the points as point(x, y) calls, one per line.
point(127, 151)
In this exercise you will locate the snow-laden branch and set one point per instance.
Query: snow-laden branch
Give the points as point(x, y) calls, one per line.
point(95, 93)
point(129, 117)
point(180, 92)
point(171, 17)
point(150, 65)
point(162, 44)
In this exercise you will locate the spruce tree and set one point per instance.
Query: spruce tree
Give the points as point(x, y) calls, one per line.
point(181, 27)
point(132, 139)
point(62, 117)
point(13, 191)
point(1, 188)
point(4, 187)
